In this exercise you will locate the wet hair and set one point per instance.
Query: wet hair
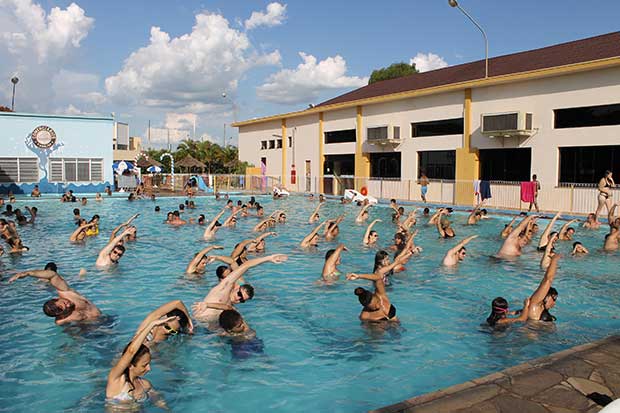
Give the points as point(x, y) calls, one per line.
point(9, 208)
point(219, 271)
point(201, 218)
point(400, 236)
point(499, 307)
point(183, 321)
point(142, 351)
point(176, 214)
point(570, 229)
point(607, 172)
point(229, 202)
point(329, 253)
point(120, 247)
point(393, 200)
point(364, 296)
point(576, 243)
point(522, 214)
point(51, 309)
point(401, 210)
point(229, 319)
point(76, 211)
point(249, 290)
point(157, 208)
point(484, 211)
point(51, 266)
point(186, 202)
point(427, 210)
point(379, 257)
point(450, 209)
point(181, 207)
point(259, 207)
point(552, 292)
point(552, 234)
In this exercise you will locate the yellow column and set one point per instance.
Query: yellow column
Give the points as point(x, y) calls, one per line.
point(284, 146)
point(467, 160)
point(362, 160)
point(321, 152)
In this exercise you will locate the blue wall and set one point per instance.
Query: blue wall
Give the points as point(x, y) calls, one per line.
point(76, 137)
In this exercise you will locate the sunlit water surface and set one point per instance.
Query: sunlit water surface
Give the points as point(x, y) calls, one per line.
point(316, 354)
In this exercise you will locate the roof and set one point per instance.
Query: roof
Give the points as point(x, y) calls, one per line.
point(190, 162)
point(538, 62)
point(146, 162)
point(585, 50)
point(53, 116)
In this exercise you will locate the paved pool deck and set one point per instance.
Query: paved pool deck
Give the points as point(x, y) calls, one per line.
point(557, 383)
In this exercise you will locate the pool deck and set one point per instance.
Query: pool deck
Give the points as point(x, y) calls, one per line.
point(553, 384)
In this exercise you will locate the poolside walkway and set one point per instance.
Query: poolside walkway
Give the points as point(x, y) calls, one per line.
point(554, 384)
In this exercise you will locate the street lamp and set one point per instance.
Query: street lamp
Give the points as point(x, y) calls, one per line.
point(14, 80)
point(454, 3)
point(234, 109)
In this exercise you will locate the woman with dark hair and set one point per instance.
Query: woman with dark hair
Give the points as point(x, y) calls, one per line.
point(181, 322)
point(545, 296)
point(443, 226)
point(377, 305)
point(499, 313)
point(605, 186)
point(125, 382)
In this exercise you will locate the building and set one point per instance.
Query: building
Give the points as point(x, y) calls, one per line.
point(56, 152)
point(554, 112)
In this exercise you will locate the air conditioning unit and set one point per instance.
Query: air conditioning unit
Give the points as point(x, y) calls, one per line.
point(383, 135)
point(507, 124)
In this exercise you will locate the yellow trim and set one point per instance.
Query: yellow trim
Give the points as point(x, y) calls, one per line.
point(495, 80)
point(362, 161)
point(321, 152)
point(467, 120)
point(467, 160)
point(284, 146)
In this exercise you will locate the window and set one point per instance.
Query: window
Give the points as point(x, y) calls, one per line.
point(587, 164)
point(339, 165)
point(272, 144)
point(505, 164)
point(385, 165)
point(340, 136)
point(263, 145)
point(76, 170)
point(290, 141)
point(279, 144)
point(377, 133)
point(437, 164)
point(17, 170)
point(437, 128)
point(603, 115)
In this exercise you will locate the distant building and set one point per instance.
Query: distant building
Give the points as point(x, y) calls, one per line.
point(56, 152)
point(553, 111)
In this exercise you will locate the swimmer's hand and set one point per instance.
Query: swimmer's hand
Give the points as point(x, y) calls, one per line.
point(278, 258)
point(352, 276)
point(17, 277)
point(217, 247)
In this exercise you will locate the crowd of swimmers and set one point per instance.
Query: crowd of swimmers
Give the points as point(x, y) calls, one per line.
point(218, 310)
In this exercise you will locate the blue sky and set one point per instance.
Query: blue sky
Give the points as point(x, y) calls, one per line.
point(92, 56)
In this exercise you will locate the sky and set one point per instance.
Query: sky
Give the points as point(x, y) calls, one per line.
point(200, 65)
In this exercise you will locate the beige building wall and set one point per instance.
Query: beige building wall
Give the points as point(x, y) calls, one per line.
point(250, 138)
point(339, 120)
point(305, 133)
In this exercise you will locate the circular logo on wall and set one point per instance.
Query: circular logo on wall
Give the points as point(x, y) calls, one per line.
point(44, 137)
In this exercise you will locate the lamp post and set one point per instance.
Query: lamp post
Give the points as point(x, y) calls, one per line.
point(234, 109)
point(14, 80)
point(454, 3)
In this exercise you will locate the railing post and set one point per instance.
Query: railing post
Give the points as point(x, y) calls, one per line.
point(441, 190)
point(381, 189)
point(408, 189)
point(572, 196)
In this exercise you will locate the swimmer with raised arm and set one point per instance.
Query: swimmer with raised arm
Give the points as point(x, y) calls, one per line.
point(312, 239)
point(181, 322)
point(591, 222)
point(457, 253)
point(70, 306)
point(332, 261)
point(567, 232)
point(579, 249)
point(549, 251)
point(315, 214)
point(213, 226)
point(443, 226)
point(125, 382)
point(228, 293)
point(476, 215)
point(544, 238)
point(508, 227)
point(371, 236)
point(516, 240)
point(231, 221)
point(331, 229)
point(80, 233)
point(612, 239)
point(198, 264)
point(411, 220)
point(132, 234)
point(112, 253)
point(258, 244)
point(363, 214)
point(545, 296)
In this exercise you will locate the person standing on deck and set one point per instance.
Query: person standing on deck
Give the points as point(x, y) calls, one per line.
point(536, 186)
point(423, 182)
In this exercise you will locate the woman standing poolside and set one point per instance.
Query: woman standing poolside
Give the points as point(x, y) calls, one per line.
point(605, 186)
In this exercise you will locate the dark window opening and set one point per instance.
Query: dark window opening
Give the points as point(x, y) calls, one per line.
point(587, 164)
point(437, 128)
point(272, 144)
point(339, 165)
point(603, 115)
point(437, 164)
point(263, 144)
point(505, 164)
point(279, 144)
point(340, 136)
point(385, 165)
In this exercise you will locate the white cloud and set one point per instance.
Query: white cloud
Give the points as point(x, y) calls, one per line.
point(191, 69)
point(181, 120)
point(308, 80)
point(50, 35)
point(72, 110)
point(274, 16)
point(430, 61)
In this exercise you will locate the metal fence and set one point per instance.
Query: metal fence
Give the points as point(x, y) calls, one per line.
point(571, 198)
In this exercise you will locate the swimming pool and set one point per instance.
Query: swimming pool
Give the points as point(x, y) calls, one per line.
point(315, 353)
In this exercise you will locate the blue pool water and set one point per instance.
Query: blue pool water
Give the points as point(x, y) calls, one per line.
point(313, 352)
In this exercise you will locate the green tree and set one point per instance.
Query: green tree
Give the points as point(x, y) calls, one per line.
point(392, 72)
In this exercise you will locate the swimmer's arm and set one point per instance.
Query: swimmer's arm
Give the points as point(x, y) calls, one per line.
point(545, 234)
point(231, 280)
point(116, 231)
point(239, 248)
point(212, 223)
point(162, 311)
point(81, 228)
point(263, 236)
point(542, 290)
point(192, 265)
point(565, 227)
point(514, 234)
point(611, 214)
point(522, 315)
point(331, 261)
point(308, 237)
point(119, 369)
point(108, 248)
point(223, 258)
point(442, 233)
point(52, 276)
point(367, 234)
point(461, 244)
point(219, 306)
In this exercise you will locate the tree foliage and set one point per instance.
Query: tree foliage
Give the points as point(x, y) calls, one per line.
point(219, 160)
point(393, 71)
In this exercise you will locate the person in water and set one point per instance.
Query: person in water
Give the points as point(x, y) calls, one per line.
point(516, 240)
point(113, 251)
point(70, 306)
point(371, 236)
point(579, 249)
point(200, 261)
point(545, 296)
point(125, 382)
point(500, 312)
point(332, 261)
point(457, 253)
point(180, 322)
point(312, 239)
point(443, 226)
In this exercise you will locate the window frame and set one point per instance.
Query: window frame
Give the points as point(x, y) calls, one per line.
point(413, 126)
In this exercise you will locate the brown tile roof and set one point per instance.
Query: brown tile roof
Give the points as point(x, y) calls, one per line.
point(593, 48)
